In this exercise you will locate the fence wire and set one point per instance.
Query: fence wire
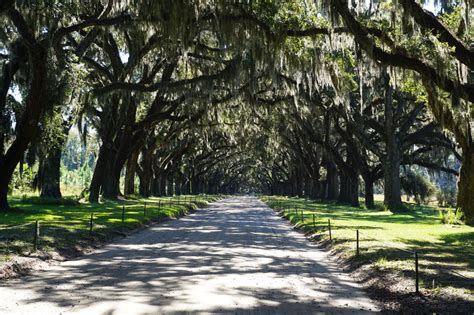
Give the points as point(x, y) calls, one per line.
point(389, 245)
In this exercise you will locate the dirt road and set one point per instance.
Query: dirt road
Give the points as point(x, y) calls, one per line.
point(235, 256)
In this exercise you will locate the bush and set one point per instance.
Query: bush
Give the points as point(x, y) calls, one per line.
point(451, 216)
point(50, 201)
point(418, 186)
point(22, 181)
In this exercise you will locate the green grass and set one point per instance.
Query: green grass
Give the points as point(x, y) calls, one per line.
point(64, 224)
point(387, 240)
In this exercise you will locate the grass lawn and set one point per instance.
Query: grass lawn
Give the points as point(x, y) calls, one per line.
point(64, 225)
point(387, 240)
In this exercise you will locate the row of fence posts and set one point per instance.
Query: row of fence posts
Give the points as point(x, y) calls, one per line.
point(36, 234)
point(417, 282)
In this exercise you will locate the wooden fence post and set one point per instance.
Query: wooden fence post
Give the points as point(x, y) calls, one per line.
point(36, 235)
point(357, 245)
point(329, 225)
point(91, 224)
point(417, 282)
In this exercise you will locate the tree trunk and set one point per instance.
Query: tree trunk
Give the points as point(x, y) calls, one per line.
point(4, 181)
point(49, 175)
point(111, 182)
point(145, 184)
point(369, 193)
point(28, 124)
point(170, 185)
point(391, 165)
point(343, 189)
point(332, 182)
point(99, 171)
point(130, 174)
point(178, 185)
point(465, 200)
point(154, 186)
point(354, 191)
point(315, 189)
point(162, 185)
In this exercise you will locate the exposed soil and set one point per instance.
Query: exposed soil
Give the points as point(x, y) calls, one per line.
point(393, 291)
point(232, 257)
point(21, 265)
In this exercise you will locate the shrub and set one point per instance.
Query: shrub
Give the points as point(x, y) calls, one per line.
point(418, 186)
point(50, 201)
point(451, 216)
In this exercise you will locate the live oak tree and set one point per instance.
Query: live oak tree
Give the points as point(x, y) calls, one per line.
point(293, 97)
point(38, 42)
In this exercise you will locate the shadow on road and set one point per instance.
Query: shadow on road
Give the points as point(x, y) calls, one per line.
point(235, 256)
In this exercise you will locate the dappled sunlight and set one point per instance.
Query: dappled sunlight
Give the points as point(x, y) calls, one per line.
point(235, 256)
point(388, 241)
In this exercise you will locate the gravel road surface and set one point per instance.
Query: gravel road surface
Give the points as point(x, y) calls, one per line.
point(234, 257)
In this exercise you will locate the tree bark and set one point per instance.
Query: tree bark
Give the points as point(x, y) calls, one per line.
point(170, 185)
point(130, 174)
point(391, 165)
point(343, 189)
point(49, 175)
point(349, 189)
point(145, 185)
point(369, 193)
point(28, 124)
point(465, 200)
point(162, 191)
point(99, 173)
point(145, 173)
point(111, 181)
point(332, 180)
point(354, 191)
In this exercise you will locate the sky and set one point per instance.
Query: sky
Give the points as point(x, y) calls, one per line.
point(430, 6)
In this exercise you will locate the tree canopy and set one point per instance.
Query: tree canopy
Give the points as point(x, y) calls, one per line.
point(326, 99)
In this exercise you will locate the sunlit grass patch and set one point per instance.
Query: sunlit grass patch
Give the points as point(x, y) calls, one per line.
point(63, 225)
point(388, 240)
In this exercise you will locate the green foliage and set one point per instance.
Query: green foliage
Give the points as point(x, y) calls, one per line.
point(23, 180)
point(383, 234)
point(451, 216)
point(35, 200)
point(446, 197)
point(78, 179)
point(417, 185)
point(452, 19)
point(64, 223)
